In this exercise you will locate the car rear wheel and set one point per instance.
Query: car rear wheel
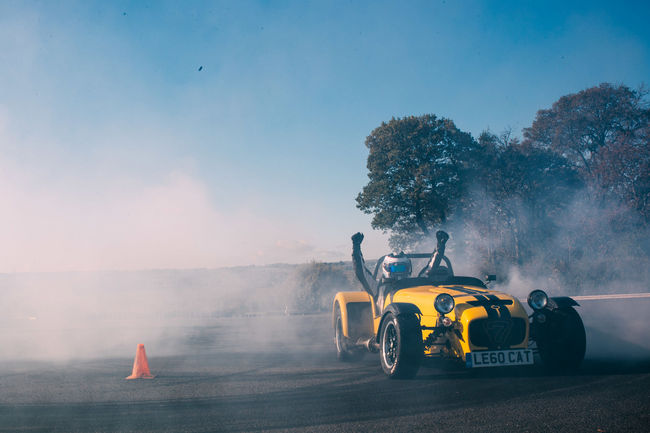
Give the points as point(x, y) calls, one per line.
point(562, 345)
point(401, 346)
point(343, 350)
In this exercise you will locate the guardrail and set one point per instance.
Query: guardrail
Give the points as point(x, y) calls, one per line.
point(612, 296)
point(603, 297)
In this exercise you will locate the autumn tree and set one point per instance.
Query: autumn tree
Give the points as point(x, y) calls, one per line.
point(624, 171)
point(603, 132)
point(416, 176)
point(591, 127)
point(575, 186)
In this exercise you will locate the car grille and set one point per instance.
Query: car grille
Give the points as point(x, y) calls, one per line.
point(497, 333)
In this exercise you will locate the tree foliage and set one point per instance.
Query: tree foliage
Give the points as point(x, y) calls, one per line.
point(416, 168)
point(572, 197)
point(517, 195)
point(603, 132)
point(625, 170)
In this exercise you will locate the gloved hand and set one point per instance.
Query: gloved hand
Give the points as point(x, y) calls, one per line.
point(357, 238)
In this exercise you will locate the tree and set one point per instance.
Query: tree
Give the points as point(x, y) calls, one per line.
point(603, 132)
point(624, 171)
point(518, 194)
point(585, 126)
point(415, 166)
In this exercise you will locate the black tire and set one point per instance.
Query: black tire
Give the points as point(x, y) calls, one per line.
point(344, 352)
point(400, 346)
point(563, 343)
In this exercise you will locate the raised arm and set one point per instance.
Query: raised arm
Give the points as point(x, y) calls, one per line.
point(360, 269)
point(438, 254)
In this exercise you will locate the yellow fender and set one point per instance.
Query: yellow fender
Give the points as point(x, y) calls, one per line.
point(343, 299)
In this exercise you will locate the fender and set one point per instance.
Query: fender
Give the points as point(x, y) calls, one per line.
point(541, 330)
point(562, 302)
point(397, 308)
point(343, 299)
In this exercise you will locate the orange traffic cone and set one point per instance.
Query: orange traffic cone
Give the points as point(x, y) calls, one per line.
point(140, 365)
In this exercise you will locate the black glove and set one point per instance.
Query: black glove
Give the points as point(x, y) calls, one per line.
point(357, 238)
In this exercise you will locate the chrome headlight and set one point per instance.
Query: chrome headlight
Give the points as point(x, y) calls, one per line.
point(444, 303)
point(537, 299)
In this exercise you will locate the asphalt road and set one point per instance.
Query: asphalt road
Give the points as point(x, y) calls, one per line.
point(280, 374)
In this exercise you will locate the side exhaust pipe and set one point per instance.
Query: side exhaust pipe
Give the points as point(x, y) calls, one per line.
point(369, 343)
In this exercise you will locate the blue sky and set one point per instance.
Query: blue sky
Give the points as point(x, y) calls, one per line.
point(116, 152)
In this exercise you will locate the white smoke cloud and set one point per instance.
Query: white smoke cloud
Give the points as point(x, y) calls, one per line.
point(130, 224)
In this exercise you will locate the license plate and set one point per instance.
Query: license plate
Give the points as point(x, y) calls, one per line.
point(497, 358)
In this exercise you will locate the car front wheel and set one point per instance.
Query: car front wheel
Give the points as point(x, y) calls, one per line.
point(562, 343)
point(401, 346)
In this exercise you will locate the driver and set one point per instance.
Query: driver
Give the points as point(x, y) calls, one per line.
point(395, 266)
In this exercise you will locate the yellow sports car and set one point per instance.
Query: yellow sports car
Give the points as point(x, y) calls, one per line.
point(437, 314)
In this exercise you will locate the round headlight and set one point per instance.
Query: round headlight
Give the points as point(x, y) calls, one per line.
point(444, 303)
point(537, 299)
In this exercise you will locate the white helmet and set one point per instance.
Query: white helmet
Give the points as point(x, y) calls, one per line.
point(396, 266)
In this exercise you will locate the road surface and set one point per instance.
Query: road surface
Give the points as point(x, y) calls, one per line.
point(280, 373)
